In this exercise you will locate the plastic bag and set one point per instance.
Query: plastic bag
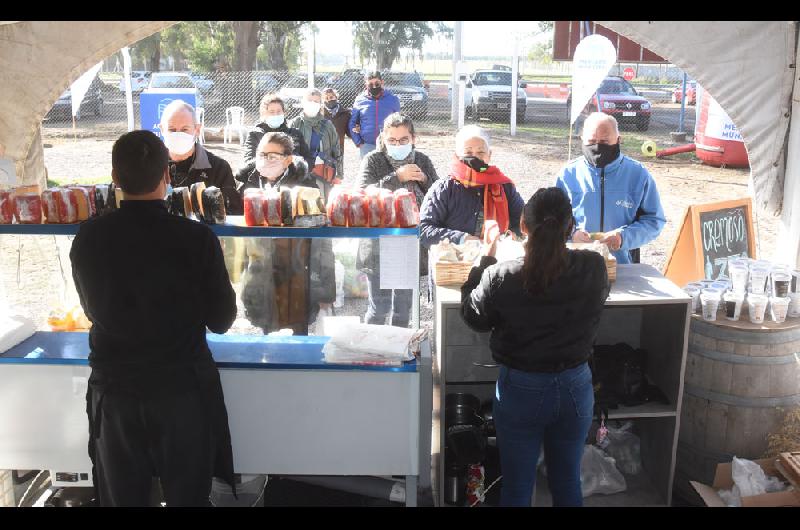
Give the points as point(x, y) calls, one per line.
point(624, 447)
point(599, 473)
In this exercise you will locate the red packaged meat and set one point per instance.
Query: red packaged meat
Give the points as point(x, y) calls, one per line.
point(254, 207)
point(374, 210)
point(6, 208)
point(386, 198)
point(66, 205)
point(28, 208)
point(271, 205)
point(358, 209)
point(49, 206)
point(82, 207)
point(406, 209)
point(338, 203)
point(91, 197)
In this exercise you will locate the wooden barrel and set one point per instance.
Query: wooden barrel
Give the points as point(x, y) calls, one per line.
point(740, 380)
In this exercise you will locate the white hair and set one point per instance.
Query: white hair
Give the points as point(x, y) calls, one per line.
point(596, 118)
point(468, 132)
point(175, 106)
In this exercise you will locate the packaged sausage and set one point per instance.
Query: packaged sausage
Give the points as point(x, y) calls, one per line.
point(272, 207)
point(6, 208)
point(90, 196)
point(28, 208)
point(66, 205)
point(213, 205)
point(49, 206)
point(253, 207)
point(406, 209)
point(80, 197)
point(338, 203)
point(358, 209)
point(388, 218)
point(374, 210)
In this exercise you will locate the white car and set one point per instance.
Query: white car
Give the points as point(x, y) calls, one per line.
point(292, 92)
point(175, 80)
point(139, 81)
point(488, 94)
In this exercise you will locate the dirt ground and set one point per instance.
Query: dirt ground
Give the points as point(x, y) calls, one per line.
point(35, 280)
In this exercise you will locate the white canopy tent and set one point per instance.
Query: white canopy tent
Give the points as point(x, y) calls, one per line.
point(749, 68)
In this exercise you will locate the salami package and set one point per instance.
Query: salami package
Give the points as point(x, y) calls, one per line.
point(271, 205)
point(80, 197)
point(338, 202)
point(386, 198)
point(66, 205)
point(213, 205)
point(90, 197)
point(374, 209)
point(358, 209)
point(6, 208)
point(28, 208)
point(49, 207)
point(406, 208)
point(254, 207)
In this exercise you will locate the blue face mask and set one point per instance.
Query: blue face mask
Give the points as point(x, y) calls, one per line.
point(274, 121)
point(399, 152)
point(169, 191)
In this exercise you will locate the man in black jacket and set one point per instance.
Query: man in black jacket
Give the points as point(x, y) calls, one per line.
point(151, 283)
point(190, 162)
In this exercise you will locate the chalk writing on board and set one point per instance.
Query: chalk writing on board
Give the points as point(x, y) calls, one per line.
point(724, 235)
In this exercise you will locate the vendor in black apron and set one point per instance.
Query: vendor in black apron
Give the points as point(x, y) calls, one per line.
point(151, 283)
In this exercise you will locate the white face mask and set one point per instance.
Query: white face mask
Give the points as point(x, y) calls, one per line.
point(270, 170)
point(311, 108)
point(274, 121)
point(178, 143)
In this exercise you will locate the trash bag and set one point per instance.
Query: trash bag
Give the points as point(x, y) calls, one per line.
point(599, 473)
point(624, 447)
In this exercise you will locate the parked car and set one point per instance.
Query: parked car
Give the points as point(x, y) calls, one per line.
point(203, 83)
point(292, 92)
point(160, 80)
point(410, 89)
point(349, 84)
point(139, 80)
point(488, 94)
point(691, 93)
point(92, 103)
point(618, 98)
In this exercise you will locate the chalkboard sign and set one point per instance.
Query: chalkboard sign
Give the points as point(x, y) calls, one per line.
point(710, 234)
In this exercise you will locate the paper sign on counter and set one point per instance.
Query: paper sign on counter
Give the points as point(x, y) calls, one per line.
point(399, 262)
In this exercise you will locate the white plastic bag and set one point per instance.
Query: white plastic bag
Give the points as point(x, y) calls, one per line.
point(599, 473)
point(624, 447)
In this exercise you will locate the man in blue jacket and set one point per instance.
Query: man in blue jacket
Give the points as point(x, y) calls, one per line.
point(611, 193)
point(369, 111)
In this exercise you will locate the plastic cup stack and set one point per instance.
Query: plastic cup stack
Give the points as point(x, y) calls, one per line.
point(781, 283)
point(738, 271)
point(733, 304)
point(758, 278)
point(778, 308)
point(795, 288)
point(706, 283)
point(757, 306)
point(709, 301)
point(794, 305)
point(694, 291)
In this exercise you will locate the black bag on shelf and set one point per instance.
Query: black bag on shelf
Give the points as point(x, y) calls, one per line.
point(618, 377)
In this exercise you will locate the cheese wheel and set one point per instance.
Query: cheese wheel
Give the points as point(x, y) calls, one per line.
point(196, 194)
point(49, 206)
point(187, 202)
point(81, 200)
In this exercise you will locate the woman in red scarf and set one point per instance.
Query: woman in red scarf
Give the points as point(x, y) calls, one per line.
point(458, 207)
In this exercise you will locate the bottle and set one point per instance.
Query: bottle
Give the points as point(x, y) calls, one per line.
point(709, 269)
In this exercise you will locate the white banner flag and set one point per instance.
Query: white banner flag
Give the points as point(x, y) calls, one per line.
point(594, 57)
point(81, 85)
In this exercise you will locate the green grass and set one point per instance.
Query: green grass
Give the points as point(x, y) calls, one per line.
point(67, 181)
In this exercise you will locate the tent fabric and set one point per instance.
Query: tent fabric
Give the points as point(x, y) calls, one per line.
point(38, 61)
point(788, 245)
point(748, 67)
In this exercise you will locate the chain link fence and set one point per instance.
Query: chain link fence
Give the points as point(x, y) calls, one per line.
point(649, 106)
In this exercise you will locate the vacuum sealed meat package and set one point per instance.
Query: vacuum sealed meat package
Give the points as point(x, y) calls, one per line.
point(213, 205)
point(358, 209)
point(254, 207)
point(338, 203)
point(272, 207)
point(406, 208)
point(28, 208)
point(49, 207)
point(101, 192)
point(6, 208)
point(67, 205)
point(374, 210)
point(287, 209)
point(388, 218)
point(80, 198)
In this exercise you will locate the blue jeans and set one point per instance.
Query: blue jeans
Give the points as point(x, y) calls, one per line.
point(535, 409)
point(365, 149)
point(382, 302)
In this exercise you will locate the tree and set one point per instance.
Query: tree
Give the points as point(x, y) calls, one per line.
point(148, 52)
point(382, 40)
point(282, 40)
point(246, 35)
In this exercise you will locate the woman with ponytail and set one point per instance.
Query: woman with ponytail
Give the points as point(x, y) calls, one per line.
point(543, 311)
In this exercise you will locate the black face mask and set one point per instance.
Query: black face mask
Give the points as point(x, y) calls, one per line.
point(332, 104)
point(375, 90)
point(600, 155)
point(475, 163)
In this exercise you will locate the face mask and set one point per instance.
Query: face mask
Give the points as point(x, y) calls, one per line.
point(399, 152)
point(269, 170)
point(332, 104)
point(178, 143)
point(600, 155)
point(375, 90)
point(169, 191)
point(311, 108)
point(274, 121)
point(475, 163)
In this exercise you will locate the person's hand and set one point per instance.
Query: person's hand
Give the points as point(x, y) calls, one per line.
point(613, 240)
point(581, 236)
point(471, 238)
point(491, 233)
point(410, 172)
point(357, 128)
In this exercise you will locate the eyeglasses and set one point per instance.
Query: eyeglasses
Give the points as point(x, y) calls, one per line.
point(402, 141)
point(271, 157)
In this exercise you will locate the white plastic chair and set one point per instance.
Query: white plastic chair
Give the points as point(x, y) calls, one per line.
point(201, 119)
point(234, 117)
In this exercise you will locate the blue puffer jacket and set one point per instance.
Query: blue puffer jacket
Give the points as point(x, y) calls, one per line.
point(370, 113)
point(450, 210)
point(623, 193)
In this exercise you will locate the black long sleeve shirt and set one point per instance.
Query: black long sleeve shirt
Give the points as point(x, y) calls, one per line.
point(548, 332)
point(151, 283)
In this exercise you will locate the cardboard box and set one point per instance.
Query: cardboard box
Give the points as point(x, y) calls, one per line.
point(723, 480)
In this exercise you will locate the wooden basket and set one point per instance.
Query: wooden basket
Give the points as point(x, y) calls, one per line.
point(451, 272)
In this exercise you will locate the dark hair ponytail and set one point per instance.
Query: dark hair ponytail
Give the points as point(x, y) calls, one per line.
point(548, 220)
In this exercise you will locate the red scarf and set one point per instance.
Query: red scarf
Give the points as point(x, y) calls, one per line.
point(495, 203)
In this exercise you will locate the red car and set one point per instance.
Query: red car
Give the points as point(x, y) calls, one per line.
point(618, 98)
point(691, 93)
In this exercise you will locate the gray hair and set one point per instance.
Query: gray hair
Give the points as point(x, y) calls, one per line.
point(311, 92)
point(468, 132)
point(331, 90)
point(176, 105)
point(596, 118)
point(397, 119)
